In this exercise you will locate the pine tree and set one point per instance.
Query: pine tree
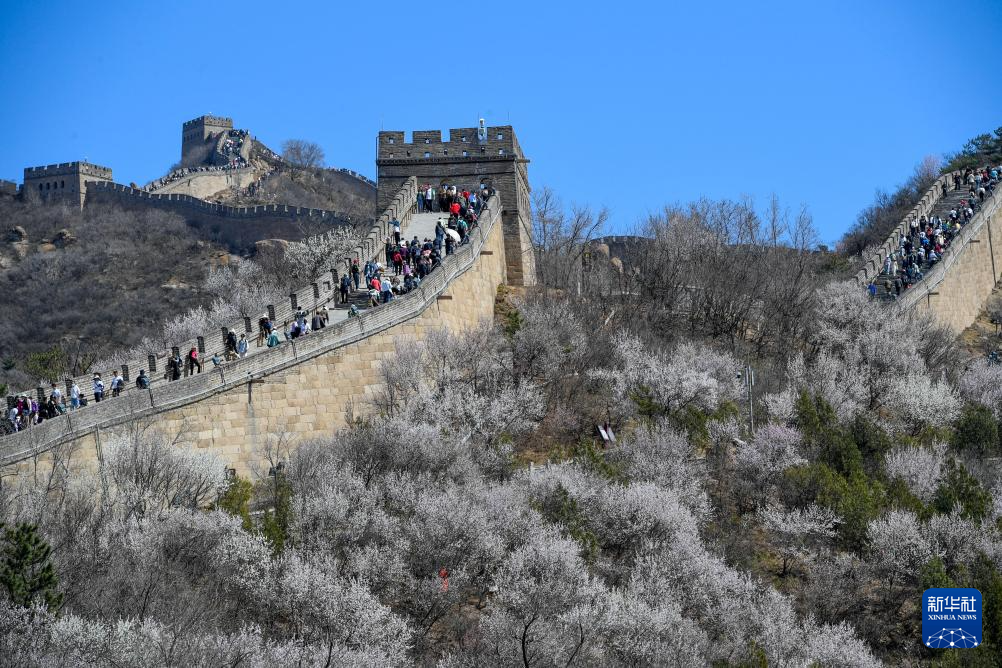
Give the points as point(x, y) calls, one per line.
point(26, 572)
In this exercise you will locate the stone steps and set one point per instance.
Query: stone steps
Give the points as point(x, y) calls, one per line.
point(951, 200)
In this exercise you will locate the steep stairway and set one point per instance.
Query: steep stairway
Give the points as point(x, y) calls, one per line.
point(952, 200)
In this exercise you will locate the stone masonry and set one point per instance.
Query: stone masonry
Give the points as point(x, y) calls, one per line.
point(64, 183)
point(468, 158)
point(196, 132)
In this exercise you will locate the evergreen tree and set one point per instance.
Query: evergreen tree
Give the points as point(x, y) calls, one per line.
point(26, 572)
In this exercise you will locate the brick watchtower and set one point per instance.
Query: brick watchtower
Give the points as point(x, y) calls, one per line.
point(65, 182)
point(471, 156)
point(195, 135)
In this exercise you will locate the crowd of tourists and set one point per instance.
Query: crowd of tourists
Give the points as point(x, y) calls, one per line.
point(928, 237)
point(407, 264)
point(231, 147)
point(441, 199)
point(24, 411)
point(185, 172)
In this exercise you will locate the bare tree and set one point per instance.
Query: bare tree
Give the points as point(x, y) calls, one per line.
point(561, 239)
point(303, 154)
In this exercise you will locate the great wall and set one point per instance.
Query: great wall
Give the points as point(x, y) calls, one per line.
point(202, 146)
point(956, 289)
point(307, 388)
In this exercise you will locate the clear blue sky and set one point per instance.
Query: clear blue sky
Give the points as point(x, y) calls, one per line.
point(627, 105)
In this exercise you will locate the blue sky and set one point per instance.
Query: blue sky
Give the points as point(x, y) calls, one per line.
point(626, 105)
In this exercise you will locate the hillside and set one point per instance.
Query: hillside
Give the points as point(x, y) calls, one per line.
point(87, 282)
point(329, 189)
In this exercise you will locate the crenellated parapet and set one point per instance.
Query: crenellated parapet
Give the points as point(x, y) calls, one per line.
point(469, 158)
point(65, 182)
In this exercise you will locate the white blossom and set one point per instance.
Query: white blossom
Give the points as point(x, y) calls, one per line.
point(920, 468)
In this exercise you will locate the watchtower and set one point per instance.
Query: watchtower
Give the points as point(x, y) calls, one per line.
point(470, 157)
point(195, 135)
point(65, 182)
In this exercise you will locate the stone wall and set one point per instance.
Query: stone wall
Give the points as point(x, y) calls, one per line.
point(956, 289)
point(301, 393)
point(208, 183)
point(324, 292)
point(240, 227)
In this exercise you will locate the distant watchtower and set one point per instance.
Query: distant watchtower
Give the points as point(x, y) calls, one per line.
point(470, 157)
point(195, 135)
point(64, 183)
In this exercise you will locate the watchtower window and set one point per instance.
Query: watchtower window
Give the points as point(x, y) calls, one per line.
point(464, 137)
point(408, 154)
point(500, 151)
point(427, 154)
point(39, 186)
point(48, 186)
point(427, 141)
point(62, 184)
point(392, 140)
point(466, 154)
point(391, 155)
point(500, 136)
point(445, 152)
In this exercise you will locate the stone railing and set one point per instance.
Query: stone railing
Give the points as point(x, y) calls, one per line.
point(312, 296)
point(136, 404)
point(953, 253)
point(873, 261)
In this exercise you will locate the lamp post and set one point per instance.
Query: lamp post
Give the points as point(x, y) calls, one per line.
point(748, 376)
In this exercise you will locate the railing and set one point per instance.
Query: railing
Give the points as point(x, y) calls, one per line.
point(873, 264)
point(137, 404)
point(951, 255)
point(326, 291)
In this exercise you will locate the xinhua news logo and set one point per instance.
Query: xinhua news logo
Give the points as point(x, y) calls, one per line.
point(951, 618)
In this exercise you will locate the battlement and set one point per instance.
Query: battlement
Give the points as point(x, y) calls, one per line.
point(217, 121)
point(66, 168)
point(496, 142)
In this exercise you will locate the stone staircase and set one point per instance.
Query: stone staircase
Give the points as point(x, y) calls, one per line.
point(358, 298)
point(951, 200)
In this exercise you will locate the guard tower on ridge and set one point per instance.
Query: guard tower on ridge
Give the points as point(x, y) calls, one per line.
point(196, 133)
point(469, 157)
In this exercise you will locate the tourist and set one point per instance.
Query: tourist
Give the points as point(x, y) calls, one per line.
point(355, 273)
point(242, 346)
point(175, 366)
point(192, 363)
point(263, 329)
point(142, 380)
point(346, 282)
point(231, 345)
point(98, 388)
point(117, 383)
point(74, 396)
